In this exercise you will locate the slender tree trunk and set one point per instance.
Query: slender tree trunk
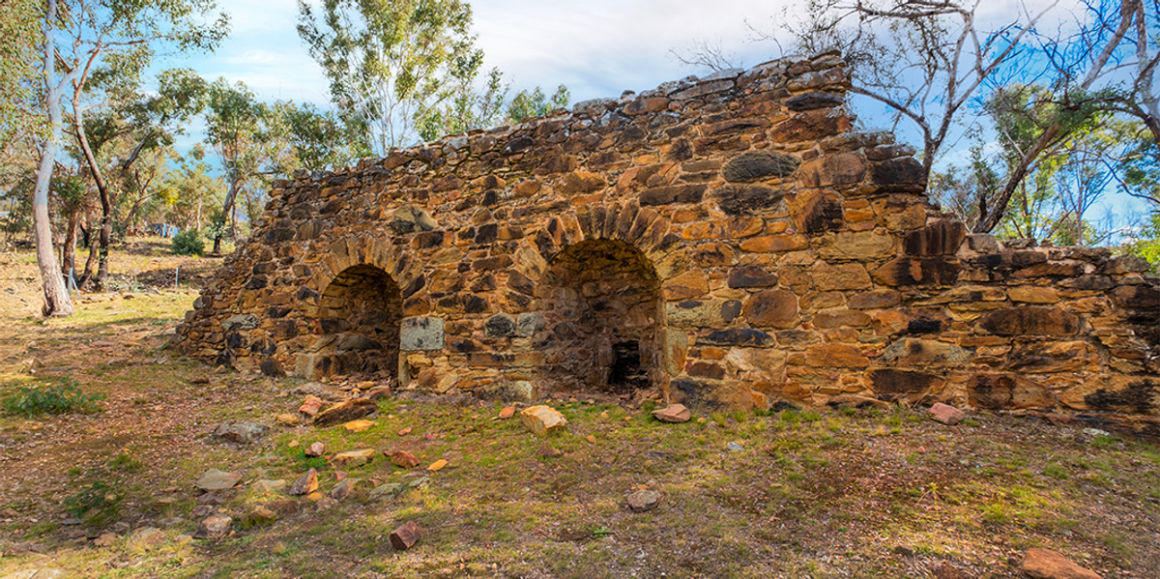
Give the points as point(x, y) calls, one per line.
point(227, 213)
point(69, 254)
point(56, 298)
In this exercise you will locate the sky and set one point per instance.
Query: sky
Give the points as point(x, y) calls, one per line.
point(597, 48)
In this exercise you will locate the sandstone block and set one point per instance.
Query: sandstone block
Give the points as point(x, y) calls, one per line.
point(1030, 321)
point(772, 308)
point(759, 164)
point(542, 420)
point(353, 458)
point(861, 245)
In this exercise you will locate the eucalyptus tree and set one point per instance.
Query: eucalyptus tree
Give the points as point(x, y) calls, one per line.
point(235, 128)
point(391, 62)
point(94, 32)
point(305, 137)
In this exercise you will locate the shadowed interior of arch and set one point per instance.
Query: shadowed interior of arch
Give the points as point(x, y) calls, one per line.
point(358, 322)
point(603, 308)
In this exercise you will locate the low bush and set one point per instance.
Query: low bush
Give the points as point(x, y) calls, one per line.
point(65, 397)
point(188, 242)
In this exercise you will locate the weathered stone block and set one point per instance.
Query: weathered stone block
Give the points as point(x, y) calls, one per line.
point(772, 308)
point(1030, 321)
point(760, 164)
point(421, 333)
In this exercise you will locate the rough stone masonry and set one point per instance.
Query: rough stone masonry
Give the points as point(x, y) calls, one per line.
point(728, 242)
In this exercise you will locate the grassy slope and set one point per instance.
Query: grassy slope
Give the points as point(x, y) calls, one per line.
point(811, 494)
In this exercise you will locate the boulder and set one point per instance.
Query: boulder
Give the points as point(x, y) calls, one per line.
point(542, 420)
point(674, 413)
point(946, 414)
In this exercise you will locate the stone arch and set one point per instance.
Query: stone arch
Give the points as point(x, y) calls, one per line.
point(357, 322)
point(642, 228)
point(379, 252)
point(603, 319)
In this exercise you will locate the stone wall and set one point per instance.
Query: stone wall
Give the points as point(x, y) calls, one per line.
point(728, 241)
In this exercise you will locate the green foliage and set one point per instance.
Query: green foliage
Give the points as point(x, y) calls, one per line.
point(60, 399)
point(536, 104)
point(188, 242)
point(390, 64)
point(312, 139)
point(97, 504)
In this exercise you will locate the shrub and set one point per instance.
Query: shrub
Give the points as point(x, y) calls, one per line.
point(97, 504)
point(66, 397)
point(188, 242)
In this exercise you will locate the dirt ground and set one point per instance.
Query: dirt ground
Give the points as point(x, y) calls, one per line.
point(809, 493)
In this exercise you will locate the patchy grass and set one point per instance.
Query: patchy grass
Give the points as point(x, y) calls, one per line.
point(810, 493)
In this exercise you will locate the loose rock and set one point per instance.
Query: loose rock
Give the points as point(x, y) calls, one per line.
point(311, 406)
point(507, 413)
point(213, 527)
point(406, 536)
point(240, 431)
point(315, 450)
point(356, 426)
point(105, 540)
point(403, 459)
point(675, 413)
point(216, 480)
point(542, 420)
point(288, 419)
point(1048, 564)
point(353, 458)
point(269, 486)
point(345, 411)
point(946, 414)
point(643, 500)
point(437, 465)
point(305, 484)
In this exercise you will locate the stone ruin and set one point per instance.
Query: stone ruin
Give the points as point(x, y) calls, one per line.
point(727, 242)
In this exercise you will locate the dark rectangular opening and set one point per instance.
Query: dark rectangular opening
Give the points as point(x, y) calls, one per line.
point(627, 373)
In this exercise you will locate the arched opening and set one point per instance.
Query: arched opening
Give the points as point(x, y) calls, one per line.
point(358, 321)
point(604, 318)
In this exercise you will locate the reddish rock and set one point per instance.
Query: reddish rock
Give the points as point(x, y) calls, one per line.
point(311, 405)
point(507, 412)
point(402, 459)
point(1047, 564)
point(673, 413)
point(946, 414)
point(306, 484)
point(316, 449)
point(777, 308)
point(406, 536)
